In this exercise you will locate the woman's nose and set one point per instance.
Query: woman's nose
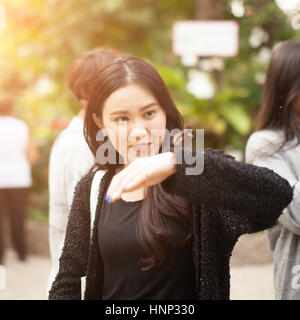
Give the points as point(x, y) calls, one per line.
point(137, 132)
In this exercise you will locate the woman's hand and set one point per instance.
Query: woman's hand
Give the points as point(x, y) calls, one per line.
point(141, 172)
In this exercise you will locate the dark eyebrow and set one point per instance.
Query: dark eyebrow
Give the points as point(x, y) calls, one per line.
point(143, 108)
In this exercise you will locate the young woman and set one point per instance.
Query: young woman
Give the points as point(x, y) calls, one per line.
point(160, 233)
point(275, 145)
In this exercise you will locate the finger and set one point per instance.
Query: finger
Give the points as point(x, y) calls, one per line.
point(128, 180)
point(117, 180)
point(136, 182)
point(111, 189)
point(116, 187)
point(131, 176)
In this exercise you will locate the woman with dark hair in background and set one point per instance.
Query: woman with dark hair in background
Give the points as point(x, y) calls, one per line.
point(18, 154)
point(275, 145)
point(158, 233)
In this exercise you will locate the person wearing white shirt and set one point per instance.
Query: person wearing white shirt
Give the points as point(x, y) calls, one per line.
point(70, 157)
point(17, 154)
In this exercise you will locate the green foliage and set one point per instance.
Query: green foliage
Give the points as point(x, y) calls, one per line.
point(43, 37)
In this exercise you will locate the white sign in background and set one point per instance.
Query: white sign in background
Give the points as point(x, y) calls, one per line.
point(206, 38)
point(2, 17)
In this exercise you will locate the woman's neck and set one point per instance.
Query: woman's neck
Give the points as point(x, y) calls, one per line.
point(135, 195)
point(81, 114)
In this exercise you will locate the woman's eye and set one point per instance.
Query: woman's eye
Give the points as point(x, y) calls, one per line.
point(149, 114)
point(122, 119)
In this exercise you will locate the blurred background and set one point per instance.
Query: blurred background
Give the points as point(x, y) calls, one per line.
point(40, 38)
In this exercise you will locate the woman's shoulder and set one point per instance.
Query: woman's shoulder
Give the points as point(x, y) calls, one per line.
point(266, 135)
point(277, 137)
point(217, 152)
point(266, 141)
point(84, 184)
point(205, 151)
point(18, 123)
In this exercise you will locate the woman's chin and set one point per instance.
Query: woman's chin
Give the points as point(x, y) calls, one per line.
point(141, 154)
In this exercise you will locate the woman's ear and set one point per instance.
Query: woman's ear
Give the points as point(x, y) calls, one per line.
point(97, 121)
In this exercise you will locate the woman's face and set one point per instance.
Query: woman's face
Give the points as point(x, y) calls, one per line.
point(134, 122)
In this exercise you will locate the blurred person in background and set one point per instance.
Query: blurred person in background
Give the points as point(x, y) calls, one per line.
point(18, 154)
point(275, 145)
point(70, 157)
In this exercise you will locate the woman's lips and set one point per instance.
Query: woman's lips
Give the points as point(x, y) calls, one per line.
point(140, 146)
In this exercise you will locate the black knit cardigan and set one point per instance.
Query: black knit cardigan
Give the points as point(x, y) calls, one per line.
point(229, 198)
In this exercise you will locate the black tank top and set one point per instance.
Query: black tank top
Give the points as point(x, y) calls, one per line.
point(120, 251)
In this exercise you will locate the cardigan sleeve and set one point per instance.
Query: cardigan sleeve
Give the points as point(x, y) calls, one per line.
point(74, 257)
point(255, 196)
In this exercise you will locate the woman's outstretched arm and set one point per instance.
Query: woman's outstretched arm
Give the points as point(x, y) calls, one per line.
point(255, 196)
point(258, 195)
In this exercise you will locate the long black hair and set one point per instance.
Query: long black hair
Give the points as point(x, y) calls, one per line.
point(160, 210)
point(281, 87)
